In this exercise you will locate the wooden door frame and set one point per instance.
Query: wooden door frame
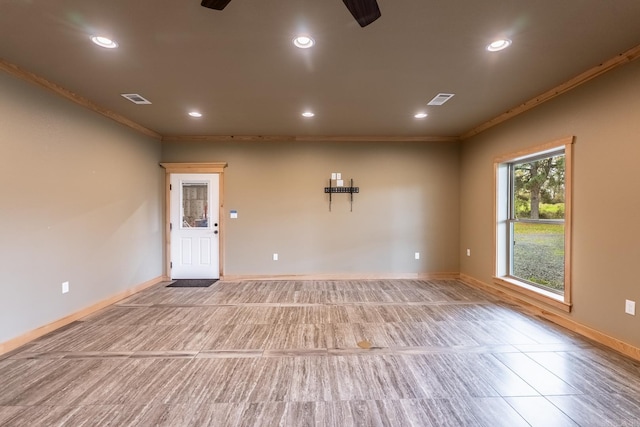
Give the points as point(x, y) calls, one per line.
point(193, 168)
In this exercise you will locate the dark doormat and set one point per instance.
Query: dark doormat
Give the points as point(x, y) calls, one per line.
point(192, 283)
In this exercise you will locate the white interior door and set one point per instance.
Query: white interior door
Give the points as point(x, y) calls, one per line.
point(194, 226)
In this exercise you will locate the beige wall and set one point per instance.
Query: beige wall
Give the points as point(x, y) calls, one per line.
point(81, 201)
point(604, 116)
point(408, 202)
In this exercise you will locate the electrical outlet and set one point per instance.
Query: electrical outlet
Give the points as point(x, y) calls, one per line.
point(275, 257)
point(417, 255)
point(65, 287)
point(468, 252)
point(630, 307)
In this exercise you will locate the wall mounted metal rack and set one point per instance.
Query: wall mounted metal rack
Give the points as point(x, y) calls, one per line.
point(331, 190)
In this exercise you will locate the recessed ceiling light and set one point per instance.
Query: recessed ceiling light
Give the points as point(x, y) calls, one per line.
point(308, 114)
point(420, 115)
point(195, 114)
point(498, 45)
point(304, 42)
point(104, 42)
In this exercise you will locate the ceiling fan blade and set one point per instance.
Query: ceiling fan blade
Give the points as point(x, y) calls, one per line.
point(365, 11)
point(215, 4)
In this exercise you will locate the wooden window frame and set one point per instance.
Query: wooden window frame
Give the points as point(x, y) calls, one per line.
point(501, 224)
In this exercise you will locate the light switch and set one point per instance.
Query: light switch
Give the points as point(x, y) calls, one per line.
point(630, 307)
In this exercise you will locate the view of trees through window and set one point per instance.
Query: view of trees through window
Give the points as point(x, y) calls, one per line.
point(537, 221)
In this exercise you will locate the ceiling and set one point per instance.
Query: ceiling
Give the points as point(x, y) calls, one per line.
point(239, 68)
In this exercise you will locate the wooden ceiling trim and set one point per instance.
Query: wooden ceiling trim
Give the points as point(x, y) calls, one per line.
point(227, 138)
point(290, 138)
point(30, 77)
point(203, 167)
point(615, 62)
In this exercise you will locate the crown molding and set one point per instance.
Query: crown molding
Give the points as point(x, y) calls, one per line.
point(615, 62)
point(30, 77)
point(299, 138)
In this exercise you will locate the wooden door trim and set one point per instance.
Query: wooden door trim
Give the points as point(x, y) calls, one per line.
point(193, 168)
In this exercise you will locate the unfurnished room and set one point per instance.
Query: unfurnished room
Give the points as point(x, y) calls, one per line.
point(319, 213)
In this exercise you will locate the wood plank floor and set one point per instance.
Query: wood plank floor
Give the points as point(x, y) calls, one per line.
point(316, 353)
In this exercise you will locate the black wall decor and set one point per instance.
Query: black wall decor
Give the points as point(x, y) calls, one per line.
point(344, 190)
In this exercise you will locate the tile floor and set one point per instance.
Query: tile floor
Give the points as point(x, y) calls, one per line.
point(316, 353)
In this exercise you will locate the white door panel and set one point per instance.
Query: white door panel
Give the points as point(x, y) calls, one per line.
point(194, 226)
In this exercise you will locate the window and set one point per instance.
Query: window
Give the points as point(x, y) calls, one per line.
point(533, 222)
point(195, 203)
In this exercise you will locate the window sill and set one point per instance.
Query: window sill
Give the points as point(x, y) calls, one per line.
point(549, 298)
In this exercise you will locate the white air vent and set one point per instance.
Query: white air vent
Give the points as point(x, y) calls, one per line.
point(135, 98)
point(441, 98)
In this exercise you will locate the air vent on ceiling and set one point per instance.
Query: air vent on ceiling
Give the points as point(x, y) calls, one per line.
point(441, 98)
point(136, 98)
